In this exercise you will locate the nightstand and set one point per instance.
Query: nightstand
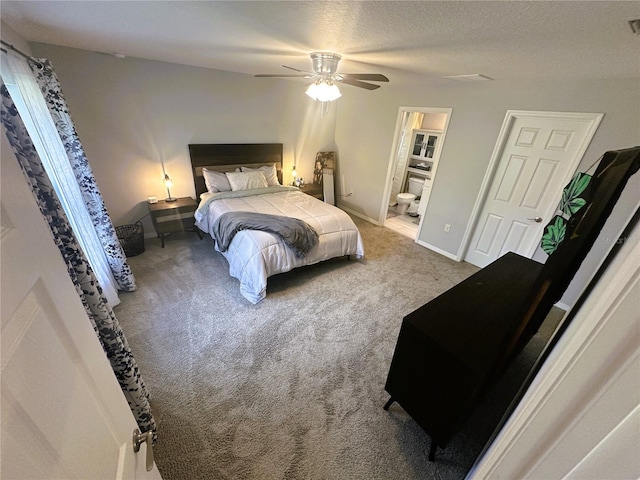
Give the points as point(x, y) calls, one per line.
point(312, 189)
point(171, 217)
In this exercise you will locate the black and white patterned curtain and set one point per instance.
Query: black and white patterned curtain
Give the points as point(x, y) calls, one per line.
point(52, 93)
point(100, 314)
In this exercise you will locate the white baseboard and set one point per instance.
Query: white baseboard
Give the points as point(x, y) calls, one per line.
point(438, 250)
point(359, 215)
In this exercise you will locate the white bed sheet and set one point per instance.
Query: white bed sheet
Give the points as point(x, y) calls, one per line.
point(254, 256)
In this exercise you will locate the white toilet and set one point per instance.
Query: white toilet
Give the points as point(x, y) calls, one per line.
point(404, 200)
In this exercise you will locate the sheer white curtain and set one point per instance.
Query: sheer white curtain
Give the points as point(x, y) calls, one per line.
point(29, 101)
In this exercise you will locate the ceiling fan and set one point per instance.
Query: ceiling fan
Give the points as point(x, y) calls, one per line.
point(324, 77)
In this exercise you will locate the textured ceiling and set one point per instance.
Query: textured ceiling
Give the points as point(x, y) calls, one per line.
point(504, 40)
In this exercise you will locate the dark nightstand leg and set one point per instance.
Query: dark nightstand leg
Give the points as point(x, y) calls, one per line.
point(197, 230)
point(432, 450)
point(162, 240)
point(389, 403)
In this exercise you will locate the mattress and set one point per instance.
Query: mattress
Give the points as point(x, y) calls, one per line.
point(254, 256)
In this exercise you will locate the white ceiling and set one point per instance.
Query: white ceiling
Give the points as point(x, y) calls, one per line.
point(505, 40)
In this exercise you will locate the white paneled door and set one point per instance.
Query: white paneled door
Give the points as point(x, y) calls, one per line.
point(537, 154)
point(63, 413)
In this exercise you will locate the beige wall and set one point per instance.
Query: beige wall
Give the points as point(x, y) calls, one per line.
point(133, 114)
point(366, 121)
point(434, 121)
point(10, 36)
point(364, 136)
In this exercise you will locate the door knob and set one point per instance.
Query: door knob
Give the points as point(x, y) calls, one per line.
point(536, 219)
point(139, 439)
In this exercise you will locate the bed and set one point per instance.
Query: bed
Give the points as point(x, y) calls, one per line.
point(255, 255)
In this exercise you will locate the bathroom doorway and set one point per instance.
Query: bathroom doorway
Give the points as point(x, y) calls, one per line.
point(415, 153)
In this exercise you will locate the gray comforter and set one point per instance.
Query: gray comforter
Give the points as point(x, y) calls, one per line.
point(297, 234)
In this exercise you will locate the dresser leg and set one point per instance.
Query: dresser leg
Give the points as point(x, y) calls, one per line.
point(432, 450)
point(389, 403)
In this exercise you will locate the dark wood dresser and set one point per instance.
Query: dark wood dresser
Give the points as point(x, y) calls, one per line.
point(452, 350)
point(449, 349)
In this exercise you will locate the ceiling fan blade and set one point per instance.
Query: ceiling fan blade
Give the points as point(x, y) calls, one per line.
point(375, 77)
point(281, 76)
point(296, 70)
point(358, 83)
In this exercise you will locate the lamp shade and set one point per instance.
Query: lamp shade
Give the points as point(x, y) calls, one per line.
point(323, 91)
point(168, 183)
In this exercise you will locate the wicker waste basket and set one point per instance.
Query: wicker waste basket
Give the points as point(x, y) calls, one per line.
point(131, 238)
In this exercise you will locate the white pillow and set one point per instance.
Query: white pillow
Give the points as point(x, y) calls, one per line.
point(270, 173)
point(215, 181)
point(246, 180)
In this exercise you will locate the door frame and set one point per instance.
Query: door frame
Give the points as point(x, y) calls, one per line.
point(487, 182)
point(599, 324)
point(384, 207)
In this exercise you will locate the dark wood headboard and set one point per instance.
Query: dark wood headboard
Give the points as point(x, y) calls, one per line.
point(226, 157)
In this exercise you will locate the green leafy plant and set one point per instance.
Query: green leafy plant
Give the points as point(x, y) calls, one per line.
point(554, 235)
point(571, 201)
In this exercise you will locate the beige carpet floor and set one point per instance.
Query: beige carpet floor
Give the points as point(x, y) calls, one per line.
point(291, 388)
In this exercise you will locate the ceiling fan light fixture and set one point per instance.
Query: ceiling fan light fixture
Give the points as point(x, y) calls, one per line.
point(324, 91)
point(325, 63)
point(324, 77)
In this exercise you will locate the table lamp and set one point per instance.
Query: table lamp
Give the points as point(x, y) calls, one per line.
point(168, 183)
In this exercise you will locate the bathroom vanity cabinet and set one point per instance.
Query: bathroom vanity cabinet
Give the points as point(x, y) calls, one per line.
point(423, 162)
point(424, 145)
